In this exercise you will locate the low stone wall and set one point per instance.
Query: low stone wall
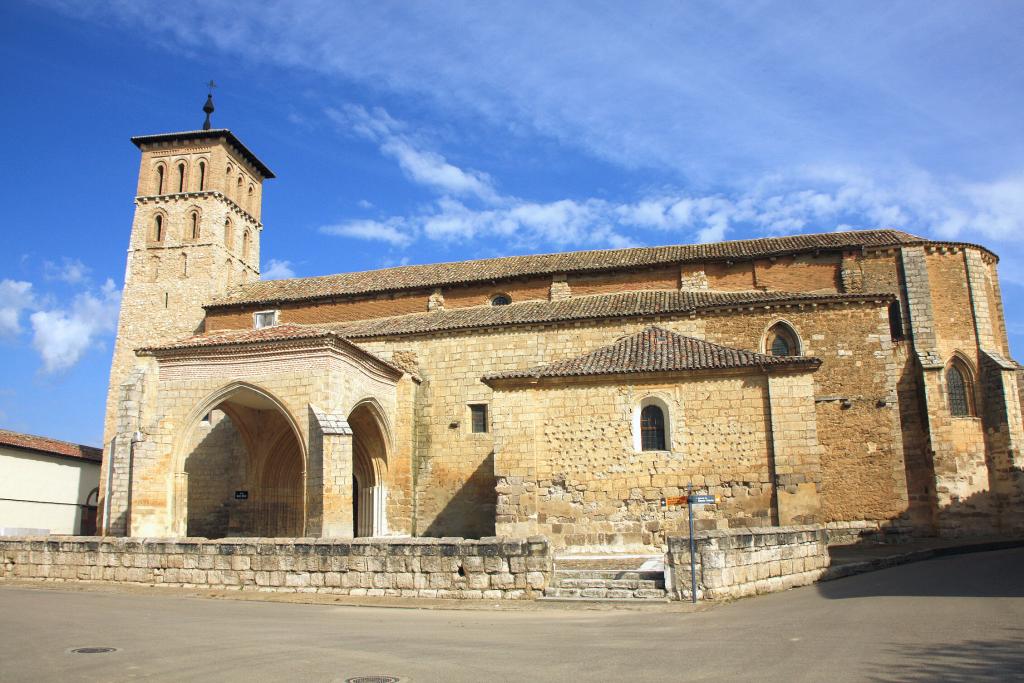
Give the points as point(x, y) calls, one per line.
point(491, 568)
point(741, 562)
point(871, 531)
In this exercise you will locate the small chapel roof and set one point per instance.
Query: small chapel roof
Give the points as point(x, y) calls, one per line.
point(485, 270)
point(44, 444)
point(656, 349)
point(276, 334)
point(592, 307)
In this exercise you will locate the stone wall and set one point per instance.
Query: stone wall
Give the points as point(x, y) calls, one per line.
point(861, 461)
point(855, 389)
point(595, 488)
point(492, 568)
point(742, 562)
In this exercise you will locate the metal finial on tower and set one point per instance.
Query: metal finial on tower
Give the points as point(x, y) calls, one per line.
point(208, 107)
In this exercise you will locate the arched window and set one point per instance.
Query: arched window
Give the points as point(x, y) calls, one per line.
point(195, 225)
point(652, 428)
point(238, 190)
point(501, 300)
point(245, 244)
point(184, 265)
point(181, 177)
point(202, 176)
point(782, 340)
point(896, 321)
point(229, 234)
point(158, 228)
point(249, 199)
point(958, 388)
point(160, 179)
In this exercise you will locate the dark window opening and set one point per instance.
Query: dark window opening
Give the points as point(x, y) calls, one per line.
point(782, 341)
point(956, 386)
point(652, 429)
point(780, 347)
point(159, 232)
point(896, 322)
point(501, 300)
point(181, 177)
point(479, 415)
point(195, 226)
point(159, 179)
point(202, 176)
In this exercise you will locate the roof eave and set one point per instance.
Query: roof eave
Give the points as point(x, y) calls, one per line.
point(212, 134)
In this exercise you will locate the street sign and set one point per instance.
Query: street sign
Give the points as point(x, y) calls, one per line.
point(676, 500)
point(702, 499)
point(241, 495)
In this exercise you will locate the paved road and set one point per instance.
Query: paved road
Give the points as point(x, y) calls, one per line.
point(954, 619)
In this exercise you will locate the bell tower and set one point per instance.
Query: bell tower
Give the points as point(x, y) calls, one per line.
point(195, 234)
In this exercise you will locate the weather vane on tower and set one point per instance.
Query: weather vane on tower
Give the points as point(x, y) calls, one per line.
point(208, 107)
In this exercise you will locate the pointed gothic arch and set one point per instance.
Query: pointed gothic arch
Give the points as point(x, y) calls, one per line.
point(780, 338)
point(371, 445)
point(242, 472)
point(960, 382)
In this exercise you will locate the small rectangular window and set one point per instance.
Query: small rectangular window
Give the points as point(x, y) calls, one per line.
point(264, 319)
point(479, 413)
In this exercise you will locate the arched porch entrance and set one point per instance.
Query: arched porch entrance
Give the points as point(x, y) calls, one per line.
point(242, 469)
point(369, 465)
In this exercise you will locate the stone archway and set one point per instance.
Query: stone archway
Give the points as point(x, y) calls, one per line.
point(242, 469)
point(369, 465)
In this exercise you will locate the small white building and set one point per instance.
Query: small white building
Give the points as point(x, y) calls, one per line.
point(47, 486)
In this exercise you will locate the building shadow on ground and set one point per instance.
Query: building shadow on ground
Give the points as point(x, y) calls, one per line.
point(991, 659)
point(975, 577)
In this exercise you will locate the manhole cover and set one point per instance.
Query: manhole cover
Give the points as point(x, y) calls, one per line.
point(92, 650)
point(373, 679)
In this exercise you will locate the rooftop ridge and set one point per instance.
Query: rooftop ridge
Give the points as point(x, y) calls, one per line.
point(637, 303)
point(423, 276)
point(656, 349)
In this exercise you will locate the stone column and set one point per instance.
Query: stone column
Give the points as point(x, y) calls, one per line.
point(794, 443)
point(334, 443)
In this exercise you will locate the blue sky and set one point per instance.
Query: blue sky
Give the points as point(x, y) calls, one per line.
point(431, 131)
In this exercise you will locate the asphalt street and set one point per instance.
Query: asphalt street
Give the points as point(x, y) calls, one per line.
point(957, 618)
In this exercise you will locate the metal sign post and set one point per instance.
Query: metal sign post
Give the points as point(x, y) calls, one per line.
point(693, 568)
point(691, 500)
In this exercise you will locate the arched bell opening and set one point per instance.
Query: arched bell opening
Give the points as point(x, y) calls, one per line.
point(242, 471)
point(369, 465)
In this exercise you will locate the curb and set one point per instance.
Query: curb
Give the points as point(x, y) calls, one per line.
point(852, 568)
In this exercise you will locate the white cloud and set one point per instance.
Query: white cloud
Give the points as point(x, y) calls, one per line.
point(392, 231)
point(277, 270)
point(63, 335)
point(421, 166)
point(70, 270)
point(15, 297)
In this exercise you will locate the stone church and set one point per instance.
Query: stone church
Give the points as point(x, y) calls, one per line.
point(858, 378)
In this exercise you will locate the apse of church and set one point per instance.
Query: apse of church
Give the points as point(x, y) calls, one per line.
point(837, 378)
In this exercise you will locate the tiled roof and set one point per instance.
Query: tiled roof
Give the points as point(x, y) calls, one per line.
point(44, 444)
point(250, 336)
point(460, 272)
point(212, 134)
point(276, 333)
point(657, 350)
point(623, 304)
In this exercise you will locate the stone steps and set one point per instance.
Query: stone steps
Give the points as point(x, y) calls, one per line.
point(607, 578)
